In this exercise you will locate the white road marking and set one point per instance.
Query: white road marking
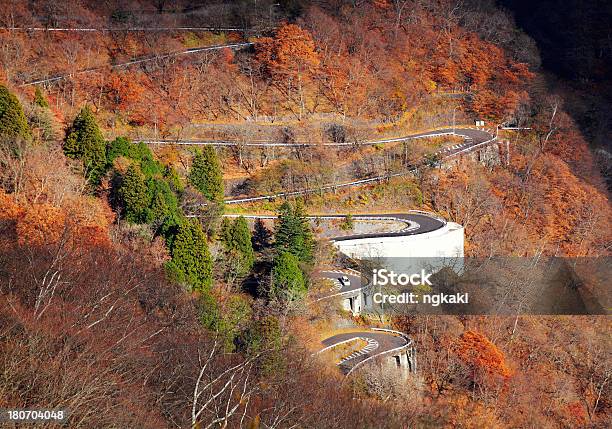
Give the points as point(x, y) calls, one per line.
point(370, 347)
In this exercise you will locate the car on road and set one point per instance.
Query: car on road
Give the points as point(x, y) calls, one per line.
point(345, 281)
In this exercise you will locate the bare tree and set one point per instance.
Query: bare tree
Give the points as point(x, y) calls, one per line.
point(217, 398)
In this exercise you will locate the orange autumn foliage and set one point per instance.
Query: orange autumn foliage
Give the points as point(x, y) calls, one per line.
point(558, 205)
point(336, 58)
point(481, 354)
point(124, 90)
point(9, 209)
point(381, 4)
point(41, 224)
point(290, 53)
point(470, 415)
point(227, 60)
point(81, 222)
point(577, 414)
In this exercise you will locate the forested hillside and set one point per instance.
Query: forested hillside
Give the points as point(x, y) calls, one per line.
point(129, 299)
point(376, 61)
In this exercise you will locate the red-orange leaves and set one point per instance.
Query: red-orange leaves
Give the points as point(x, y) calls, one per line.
point(290, 52)
point(9, 209)
point(479, 353)
point(41, 224)
point(79, 222)
point(123, 91)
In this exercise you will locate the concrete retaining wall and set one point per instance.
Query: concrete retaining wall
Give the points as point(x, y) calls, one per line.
point(447, 241)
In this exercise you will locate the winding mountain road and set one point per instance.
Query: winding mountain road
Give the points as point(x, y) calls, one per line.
point(415, 221)
point(473, 139)
point(378, 343)
point(137, 61)
point(471, 135)
point(338, 287)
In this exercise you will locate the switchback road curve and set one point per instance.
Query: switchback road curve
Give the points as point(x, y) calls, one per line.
point(339, 288)
point(415, 221)
point(379, 343)
point(473, 139)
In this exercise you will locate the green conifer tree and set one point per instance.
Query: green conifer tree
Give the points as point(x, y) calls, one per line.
point(239, 253)
point(285, 230)
point(84, 141)
point(287, 281)
point(293, 233)
point(41, 119)
point(134, 195)
point(118, 147)
point(173, 180)
point(225, 232)
point(241, 242)
point(305, 241)
point(13, 122)
point(191, 260)
point(206, 174)
point(164, 202)
point(39, 98)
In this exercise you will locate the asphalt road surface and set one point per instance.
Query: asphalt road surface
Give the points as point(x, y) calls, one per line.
point(471, 136)
point(421, 223)
point(339, 287)
point(386, 341)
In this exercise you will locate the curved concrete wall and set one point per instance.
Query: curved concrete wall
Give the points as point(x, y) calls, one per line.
point(446, 241)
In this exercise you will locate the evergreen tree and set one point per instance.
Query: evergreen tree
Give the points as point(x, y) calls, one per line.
point(225, 233)
point(236, 238)
point(305, 242)
point(159, 203)
point(206, 174)
point(164, 202)
point(139, 152)
point(293, 232)
point(134, 195)
point(228, 323)
point(150, 166)
point(191, 260)
point(170, 226)
point(287, 279)
point(173, 180)
point(84, 141)
point(210, 314)
point(39, 98)
point(118, 147)
point(41, 119)
point(285, 227)
point(13, 122)
point(241, 242)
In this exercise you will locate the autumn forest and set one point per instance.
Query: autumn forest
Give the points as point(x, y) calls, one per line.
point(139, 139)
